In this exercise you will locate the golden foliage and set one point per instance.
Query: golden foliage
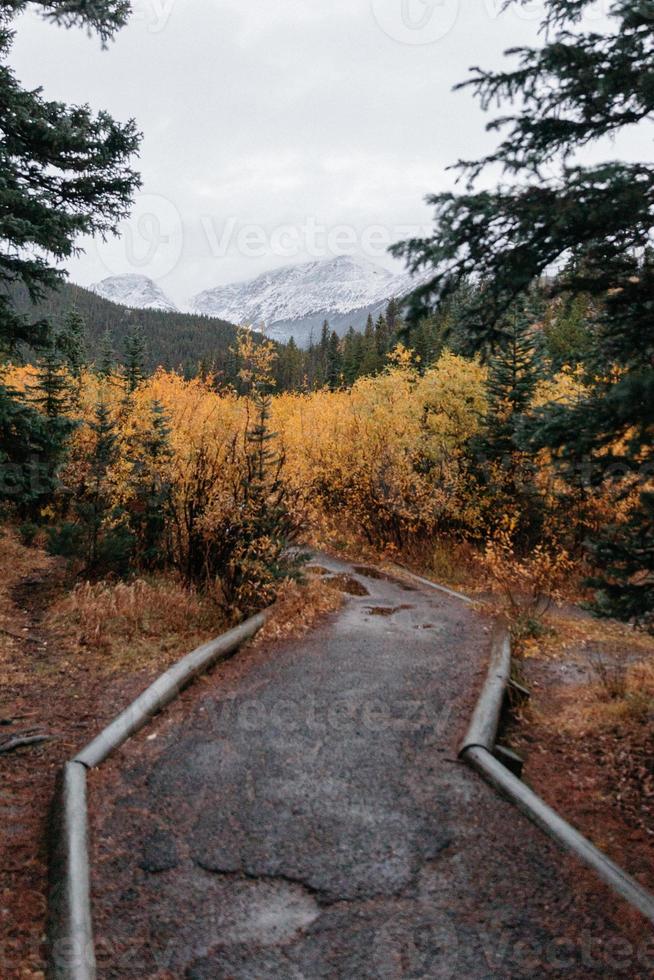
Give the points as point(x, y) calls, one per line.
point(528, 585)
point(388, 460)
point(386, 455)
point(256, 359)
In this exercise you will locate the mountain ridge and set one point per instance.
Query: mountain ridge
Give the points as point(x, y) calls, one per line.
point(294, 300)
point(173, 340)
point(135, 291)
point(291, 301)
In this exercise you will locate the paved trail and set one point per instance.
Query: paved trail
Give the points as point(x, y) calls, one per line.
point(302, 814)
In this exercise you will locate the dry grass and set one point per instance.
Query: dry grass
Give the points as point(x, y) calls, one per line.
point(611, 676)
point(619, 664)
point(137, 620)
point(143, 620)
point(571, 632)
point(137, 623)
point(452, 563)
point(625, 700)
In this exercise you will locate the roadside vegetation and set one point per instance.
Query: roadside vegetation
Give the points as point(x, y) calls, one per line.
point(162, 478)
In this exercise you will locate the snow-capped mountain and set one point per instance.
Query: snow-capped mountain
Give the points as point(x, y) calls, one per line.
point(293, 301)
point(135, 291)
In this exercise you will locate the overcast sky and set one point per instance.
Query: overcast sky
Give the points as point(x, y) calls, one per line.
point(276, 130)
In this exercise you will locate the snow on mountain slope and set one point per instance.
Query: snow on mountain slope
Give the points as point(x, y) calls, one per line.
point(135, 291)
point(294, 300)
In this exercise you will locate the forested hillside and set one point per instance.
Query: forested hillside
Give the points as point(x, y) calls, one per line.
point(194, 344)
point(178, 341)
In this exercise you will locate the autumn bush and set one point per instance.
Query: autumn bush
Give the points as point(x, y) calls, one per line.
point(387, 456)
point(527, 585)
point(175, 473)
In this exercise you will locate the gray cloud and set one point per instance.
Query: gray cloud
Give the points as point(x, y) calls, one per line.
point(303, 124)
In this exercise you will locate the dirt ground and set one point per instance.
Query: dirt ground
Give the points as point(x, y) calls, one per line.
point(51, 684)
point(587, 733)
point(588, 754)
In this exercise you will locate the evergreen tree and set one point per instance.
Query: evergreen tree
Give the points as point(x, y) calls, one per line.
point(261, 456)
point(134, 359)
point(425, 338)
point(579, 86)
point(65, 173)
point(334, 362)
point(152, 492)
point(322, 354)
point(393, 319)
point(568, 333)
point(96, 535)
point(311, 362)
point(24, 448)
point(369, 359)
point(231, 369)
point(504, 462)
point(610, 433)
point(290, 367)
point(295, 366)
point(106, 364)
point(452, 321)
point(572, 91)
point(382, 339)
point(626, 554)
point(72, 343)
point(95, 503)
point(250, 553)
point(53, 395)
point(100, 535)
point(352, 356)
point(203, 370)
point(52, 390)
point(512, 378)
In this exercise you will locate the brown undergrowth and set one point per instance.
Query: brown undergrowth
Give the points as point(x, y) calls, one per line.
point(298, 607)
point(140, 620)
point(587, 732)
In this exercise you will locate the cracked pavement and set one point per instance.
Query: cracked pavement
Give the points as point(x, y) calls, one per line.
point(301, 814)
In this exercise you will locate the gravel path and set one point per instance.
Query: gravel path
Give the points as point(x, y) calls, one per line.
point(302, 814)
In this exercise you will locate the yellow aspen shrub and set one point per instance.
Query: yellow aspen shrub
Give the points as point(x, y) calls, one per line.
point(18, 376)
point(206, 441)
point(588, 503)
point(453, 400)
point(380, 454)
point(453, 394)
